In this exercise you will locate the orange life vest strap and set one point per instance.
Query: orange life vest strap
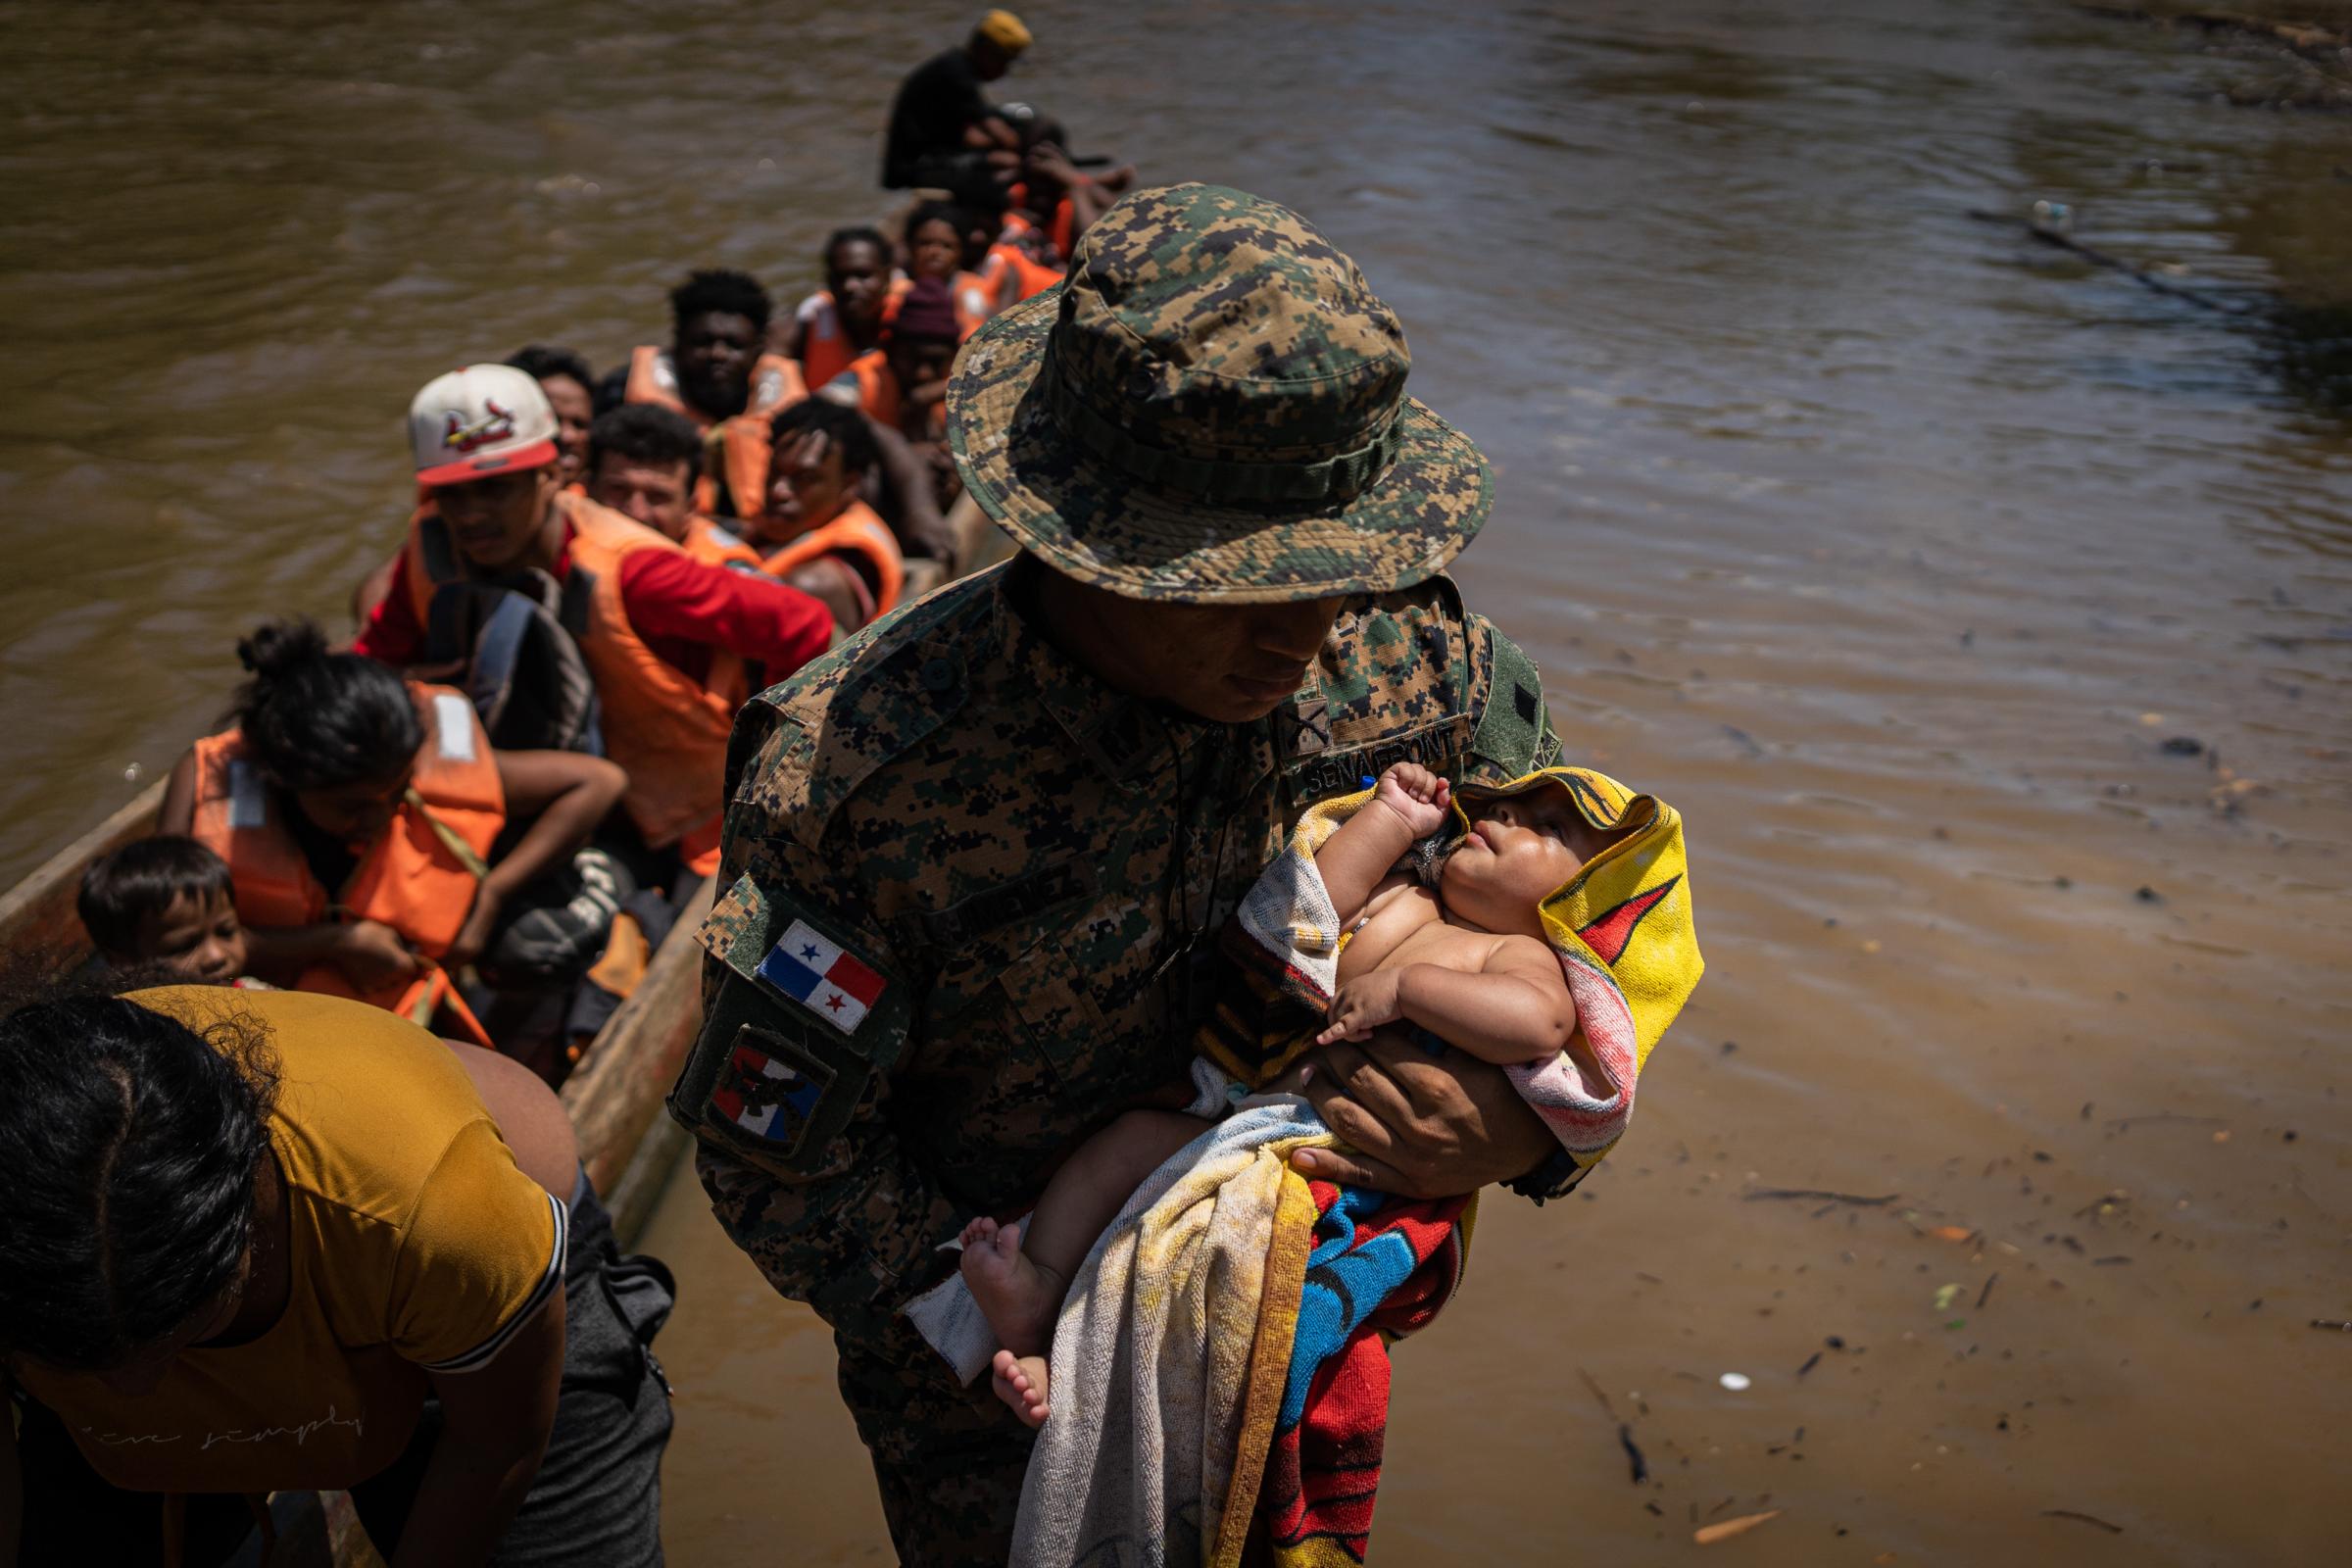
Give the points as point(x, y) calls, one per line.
point(856, 531)
point(417, 1000)
point(1030, 277)
point(877, 387)
point(667, 730)
point(743, 457)
point(714, 545)
point(654, 378)
point(827, 347)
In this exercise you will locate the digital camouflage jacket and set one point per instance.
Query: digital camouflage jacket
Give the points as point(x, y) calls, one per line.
point(969, 896)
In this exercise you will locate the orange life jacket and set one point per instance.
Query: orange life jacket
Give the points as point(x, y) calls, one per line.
point(411, 878)
point(855, 531)
point(877, 387)
point(1062, 226)
point(713, 545)
point(827, 347)
point(654, 378)
point(742, 459)
point(669, 733)
point(1015, 275)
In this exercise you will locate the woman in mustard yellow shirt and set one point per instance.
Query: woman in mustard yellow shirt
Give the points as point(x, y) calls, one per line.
point(259, 1241)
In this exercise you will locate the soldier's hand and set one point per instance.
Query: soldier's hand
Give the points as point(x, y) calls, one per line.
point(1417, 1126)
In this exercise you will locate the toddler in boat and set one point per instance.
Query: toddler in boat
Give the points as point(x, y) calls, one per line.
point(1467, 963)
point(164, 906)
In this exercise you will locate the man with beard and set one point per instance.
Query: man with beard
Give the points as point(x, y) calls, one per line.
point(666, 638)
point(715, 366)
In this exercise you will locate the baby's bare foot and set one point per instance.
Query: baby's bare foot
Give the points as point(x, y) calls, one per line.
point(1018, 1299)
point(1020, 1381)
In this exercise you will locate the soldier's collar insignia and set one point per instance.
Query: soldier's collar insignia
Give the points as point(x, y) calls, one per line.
point(1307, 726)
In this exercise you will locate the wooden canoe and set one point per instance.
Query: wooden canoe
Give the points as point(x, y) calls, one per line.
point(613, 1094)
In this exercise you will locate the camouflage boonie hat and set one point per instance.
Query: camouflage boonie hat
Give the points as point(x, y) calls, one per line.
point(1211, 409)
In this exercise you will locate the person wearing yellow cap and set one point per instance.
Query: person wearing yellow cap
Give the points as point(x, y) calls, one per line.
point(944, 132)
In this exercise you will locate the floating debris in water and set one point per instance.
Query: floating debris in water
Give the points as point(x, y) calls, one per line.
point(1708, 1534)
point(1736, 1382)
point(2083, 1518)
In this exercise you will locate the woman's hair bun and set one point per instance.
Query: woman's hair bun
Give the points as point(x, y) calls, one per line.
point(277, 648)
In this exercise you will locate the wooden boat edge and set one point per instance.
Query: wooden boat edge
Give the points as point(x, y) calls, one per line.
point(40, 907)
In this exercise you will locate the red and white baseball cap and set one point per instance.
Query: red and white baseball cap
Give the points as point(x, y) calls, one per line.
point(483, 421)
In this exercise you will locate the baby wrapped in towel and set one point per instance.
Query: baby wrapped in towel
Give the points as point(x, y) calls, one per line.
point(1467, 962)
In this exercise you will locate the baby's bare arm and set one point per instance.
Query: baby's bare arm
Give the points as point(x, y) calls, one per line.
point(1358, 855)
point(1410, 804)
point(1516, 1008)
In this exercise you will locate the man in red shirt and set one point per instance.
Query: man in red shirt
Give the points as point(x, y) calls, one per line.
point(669, 641)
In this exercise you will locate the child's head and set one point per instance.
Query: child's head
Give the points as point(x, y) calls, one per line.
point(858, 275)
point(821, 452)
point(338, 731)
point(165, 903)
point(935, 241)
point(1522, 849)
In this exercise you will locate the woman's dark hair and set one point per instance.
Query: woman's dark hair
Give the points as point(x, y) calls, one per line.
point(539, 360)
point(947, 212)
point(315, 720)
point(128, 1146)
point(851, 435)
point(140, 879)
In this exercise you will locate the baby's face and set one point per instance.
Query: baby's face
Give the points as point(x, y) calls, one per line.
point(198, 939)
point(1521, 850)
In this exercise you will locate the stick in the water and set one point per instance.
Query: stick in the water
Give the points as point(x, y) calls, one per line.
point(1763, 1192)
point(2049, 235)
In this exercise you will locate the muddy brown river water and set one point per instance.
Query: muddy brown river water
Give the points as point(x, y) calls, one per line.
point(1890, 547)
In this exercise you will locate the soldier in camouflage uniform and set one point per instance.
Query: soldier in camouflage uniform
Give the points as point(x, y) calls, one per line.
point(976, 858)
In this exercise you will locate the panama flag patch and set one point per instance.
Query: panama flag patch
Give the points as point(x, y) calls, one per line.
point(822, 978)
point(763, 1096)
